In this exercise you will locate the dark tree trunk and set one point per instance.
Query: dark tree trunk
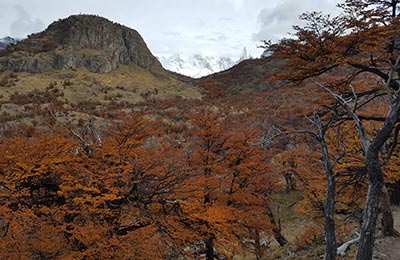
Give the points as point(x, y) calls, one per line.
point(393, 5)
point(329, 207)
point(330, 238)
point(387, 215)
point(276, 230)
point(375, 180)
point(394, 192)
point(279, 237)
point(368, 225)
point(290, 186)
point(210, 248)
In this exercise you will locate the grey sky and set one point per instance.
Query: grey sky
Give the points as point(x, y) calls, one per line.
point(210, 27)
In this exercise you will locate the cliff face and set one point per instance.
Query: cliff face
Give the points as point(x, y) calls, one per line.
point(79, 41)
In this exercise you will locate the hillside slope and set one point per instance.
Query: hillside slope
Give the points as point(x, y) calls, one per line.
point(246, 77)
point(85, 64)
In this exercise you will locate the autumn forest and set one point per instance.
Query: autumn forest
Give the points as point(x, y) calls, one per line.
point(290, 156)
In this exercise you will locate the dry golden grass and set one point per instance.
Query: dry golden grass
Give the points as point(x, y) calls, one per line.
point(81, 94)
point(126, 84)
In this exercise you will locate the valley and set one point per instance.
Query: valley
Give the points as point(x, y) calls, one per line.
point(107, 154)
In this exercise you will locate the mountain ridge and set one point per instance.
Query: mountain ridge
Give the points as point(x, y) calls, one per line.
point(86, 41)
point(247, 76)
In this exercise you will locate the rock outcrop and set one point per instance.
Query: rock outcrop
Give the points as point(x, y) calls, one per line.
point(79, 41)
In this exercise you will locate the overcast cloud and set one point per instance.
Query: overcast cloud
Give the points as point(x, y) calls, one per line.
point(210, 27)
point(277, 21)
point(24, 23)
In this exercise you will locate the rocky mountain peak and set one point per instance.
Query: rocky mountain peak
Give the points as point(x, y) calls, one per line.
point(79, 41)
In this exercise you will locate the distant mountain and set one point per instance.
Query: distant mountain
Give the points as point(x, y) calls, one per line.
point(7, 41)
point(86, 41)
point(197, 66)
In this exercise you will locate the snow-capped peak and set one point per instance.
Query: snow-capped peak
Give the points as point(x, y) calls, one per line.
point(198, 65)
point(6, 41)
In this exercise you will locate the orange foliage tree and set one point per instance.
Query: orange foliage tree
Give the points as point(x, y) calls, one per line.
point(137, 190)
point(231, 184)
point(361, 41)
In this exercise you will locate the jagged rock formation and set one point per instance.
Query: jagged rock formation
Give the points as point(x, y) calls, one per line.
point(79, 41)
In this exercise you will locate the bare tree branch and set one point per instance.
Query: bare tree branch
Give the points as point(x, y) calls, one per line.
point(350, 110)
